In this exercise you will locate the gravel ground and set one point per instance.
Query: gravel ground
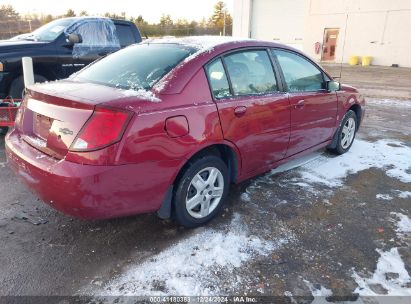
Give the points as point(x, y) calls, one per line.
point(321, 226)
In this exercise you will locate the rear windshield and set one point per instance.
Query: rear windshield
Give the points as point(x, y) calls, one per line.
point(135, 67)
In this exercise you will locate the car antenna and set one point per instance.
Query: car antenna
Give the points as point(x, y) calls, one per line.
point(342, 55)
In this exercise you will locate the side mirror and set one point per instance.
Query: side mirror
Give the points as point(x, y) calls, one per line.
point(333, 86)
point(74, 38)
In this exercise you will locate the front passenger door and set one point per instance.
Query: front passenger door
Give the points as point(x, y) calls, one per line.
point(313, 108)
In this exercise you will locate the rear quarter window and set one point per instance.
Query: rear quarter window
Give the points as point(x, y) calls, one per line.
point(218, 79)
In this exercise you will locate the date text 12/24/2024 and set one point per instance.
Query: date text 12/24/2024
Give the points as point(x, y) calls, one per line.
point(203, 299)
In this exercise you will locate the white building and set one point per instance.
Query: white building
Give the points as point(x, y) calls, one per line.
point(339, 28)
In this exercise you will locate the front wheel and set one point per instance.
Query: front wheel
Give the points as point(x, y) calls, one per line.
point(201, 191)
point(346, 133)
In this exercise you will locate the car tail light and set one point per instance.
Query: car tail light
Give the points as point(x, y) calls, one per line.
point(105, 127)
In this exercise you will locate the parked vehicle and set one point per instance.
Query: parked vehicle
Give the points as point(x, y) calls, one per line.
point(168, 125)
point(61, 48)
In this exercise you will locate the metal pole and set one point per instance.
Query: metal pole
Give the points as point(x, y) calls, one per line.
point(28, 74)
point(224, 24)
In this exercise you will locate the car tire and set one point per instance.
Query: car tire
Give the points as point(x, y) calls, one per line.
point(345, 135)
point(4, 130)
point(201, 191)
point(17, 86)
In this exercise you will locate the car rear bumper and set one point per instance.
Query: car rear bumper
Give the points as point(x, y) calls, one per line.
point(91, 192)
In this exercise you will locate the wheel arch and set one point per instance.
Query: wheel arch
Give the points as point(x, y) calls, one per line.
point(225, 150)
point(356, 108)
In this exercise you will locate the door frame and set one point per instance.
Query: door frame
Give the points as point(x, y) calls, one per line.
point(326, 29)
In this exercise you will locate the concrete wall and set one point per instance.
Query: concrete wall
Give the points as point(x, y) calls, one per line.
point(378, 28)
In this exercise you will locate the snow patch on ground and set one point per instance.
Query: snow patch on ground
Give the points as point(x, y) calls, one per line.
point(403, 225)
point(390, 102)
point(390, 273)
point(316, 168)
point(391, 155)
point(388, 262)
point(385, 197)
point(190, 267)
point(245, 197)
point(318, 291)
point(404, 194)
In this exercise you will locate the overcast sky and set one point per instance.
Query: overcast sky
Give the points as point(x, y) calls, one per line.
point(151, 10)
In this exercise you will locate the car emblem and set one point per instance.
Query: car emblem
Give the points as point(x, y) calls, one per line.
point(65, 131)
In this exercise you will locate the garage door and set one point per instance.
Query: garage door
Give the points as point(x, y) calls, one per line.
point(279, 20)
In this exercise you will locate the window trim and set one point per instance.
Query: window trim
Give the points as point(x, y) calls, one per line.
point(276, 71)
point(285, 86)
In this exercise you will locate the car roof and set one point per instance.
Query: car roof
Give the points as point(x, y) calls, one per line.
point(210, 42)
point(208, 47)
point(94, 17)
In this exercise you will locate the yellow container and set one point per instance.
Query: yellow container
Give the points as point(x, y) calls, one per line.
point(366, 60)
point(353, 60)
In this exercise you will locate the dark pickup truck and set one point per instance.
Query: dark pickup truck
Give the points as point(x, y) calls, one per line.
point(61, 48)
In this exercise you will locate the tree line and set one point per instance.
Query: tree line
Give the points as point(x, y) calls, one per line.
point(219, 23)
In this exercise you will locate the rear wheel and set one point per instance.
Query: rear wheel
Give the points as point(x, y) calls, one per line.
point(201, 191)
point(346, 133)
point(3, 130)
point(17, 86)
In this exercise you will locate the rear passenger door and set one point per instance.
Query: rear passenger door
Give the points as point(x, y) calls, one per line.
point(313, 108)
point(254, 113)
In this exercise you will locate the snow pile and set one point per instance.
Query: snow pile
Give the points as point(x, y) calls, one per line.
point(390, 275)
point(389, 262)
point(404, 224)
point(194, 266)
point(385, 197)
point(404, 194)
point(392, 156)
point(329, 170)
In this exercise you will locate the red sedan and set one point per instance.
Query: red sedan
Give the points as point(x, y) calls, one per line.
point(168, 125)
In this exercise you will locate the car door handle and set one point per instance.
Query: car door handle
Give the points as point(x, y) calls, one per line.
point(300, 104)
point(240, 111)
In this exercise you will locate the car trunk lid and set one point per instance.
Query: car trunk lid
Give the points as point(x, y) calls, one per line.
point(54, 113)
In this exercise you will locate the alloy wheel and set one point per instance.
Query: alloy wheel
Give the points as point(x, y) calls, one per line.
point(204, 192)
point(348, 133)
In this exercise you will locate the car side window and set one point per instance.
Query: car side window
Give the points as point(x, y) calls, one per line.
point(300, 74)
point(251, 72)
point(218, 79)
